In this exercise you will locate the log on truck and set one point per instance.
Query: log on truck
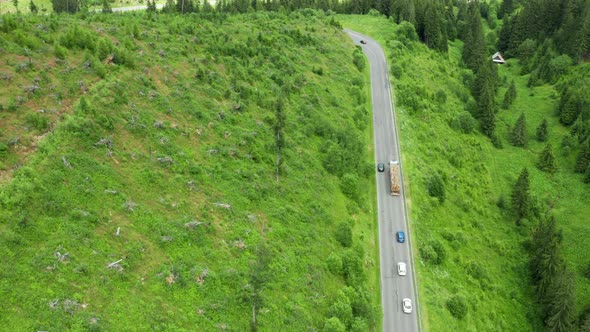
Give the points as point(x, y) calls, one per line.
point(394, 175)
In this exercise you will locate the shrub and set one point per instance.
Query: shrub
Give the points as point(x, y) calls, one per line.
point(464, 122)
point(358, 59)
point(334, 263)
point(333, 324)
point(3, 149)
point(350, 186)
point(441, 97)
point(344, 234)
point(436, 187)
point(457, 306)
point(37, 121)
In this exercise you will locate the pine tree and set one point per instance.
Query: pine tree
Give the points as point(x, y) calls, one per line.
point(521, 201)
point(33, 8)
point(561, 306)
point(474, 52)
point(505, 9)
point(519, 134)
point(509, 96)
point(106, 7)
point(486, 110)
point(583, 160)
point(587, 176)
point(547, 161)
point(542, 131)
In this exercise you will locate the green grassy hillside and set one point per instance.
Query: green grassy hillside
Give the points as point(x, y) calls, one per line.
point(469, 248)
point(139, 180)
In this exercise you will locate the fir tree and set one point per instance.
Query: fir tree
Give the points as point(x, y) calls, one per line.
point(509, 96)
point(587, 176)
point(583, 160)
point(106, 7)
point(542, 131)
point(561, 304)
point(486, 109)
point(519, 134)
point(521, 201)
point(547, 161)
point(505, 9)
point(33, 8)
point(475, 51)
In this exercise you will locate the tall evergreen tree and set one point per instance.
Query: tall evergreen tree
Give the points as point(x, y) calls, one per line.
point(542, 131)
point(509, 96)
point(33, 8)
point(521, 200)
point(561, 307)
point(474, 51)
point(506, 8)
point(546, 259)
point(519, 135)
point(587, 176)
point(435, 36)
point(65, 6)
point(106, 7)
point(583, 160)
point(547, 161)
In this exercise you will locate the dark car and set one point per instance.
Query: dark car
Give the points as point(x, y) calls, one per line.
point(381, 167)
point(401, 237)
point(363, 41)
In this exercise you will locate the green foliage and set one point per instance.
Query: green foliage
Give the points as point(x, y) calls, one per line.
point(66, 6)
point(38, 121)
point(433, 252)
point(334, 262)
point(358, 59)
point(521, 199)
point(542, 131)
point(464, 122)
point(344, 235)
point(473, 55)
point(457, 306)
point(341, 309)
point(32, 7)
point(583, 159)
point(436, 187)
point(519, 135)
point(333, 324)
point(509, 96)
point(547, 161)
point(59, 51)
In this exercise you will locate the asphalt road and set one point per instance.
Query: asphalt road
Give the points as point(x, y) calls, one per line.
point(392, 210)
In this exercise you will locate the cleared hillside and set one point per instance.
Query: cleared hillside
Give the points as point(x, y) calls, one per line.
point(182, 173)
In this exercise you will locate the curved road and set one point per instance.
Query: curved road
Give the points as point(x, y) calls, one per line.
point(391, 209)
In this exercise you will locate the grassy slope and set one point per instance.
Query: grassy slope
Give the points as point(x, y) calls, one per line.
point(187, 74)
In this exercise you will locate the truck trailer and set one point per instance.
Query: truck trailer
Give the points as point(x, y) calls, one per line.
point(394, 175)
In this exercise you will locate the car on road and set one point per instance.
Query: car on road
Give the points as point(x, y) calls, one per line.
point(407, 306)
point(381, 167)
point(363, 41)
point(401, 268)
point(401, 237)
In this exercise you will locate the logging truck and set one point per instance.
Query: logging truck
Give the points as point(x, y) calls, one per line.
point(394, 175)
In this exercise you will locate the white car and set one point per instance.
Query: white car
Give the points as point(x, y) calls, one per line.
point(401, 268)
point(407, 306)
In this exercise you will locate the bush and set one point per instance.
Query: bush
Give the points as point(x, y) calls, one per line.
point(358, 59)
point(464, 122)
point(3, 149)
point(350, 186)
point(334, 324)
point(436, 187)
point(334, 263)
point(457, 306)
point(344, 234)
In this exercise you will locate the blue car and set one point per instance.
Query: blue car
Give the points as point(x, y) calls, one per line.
point(401, 237)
